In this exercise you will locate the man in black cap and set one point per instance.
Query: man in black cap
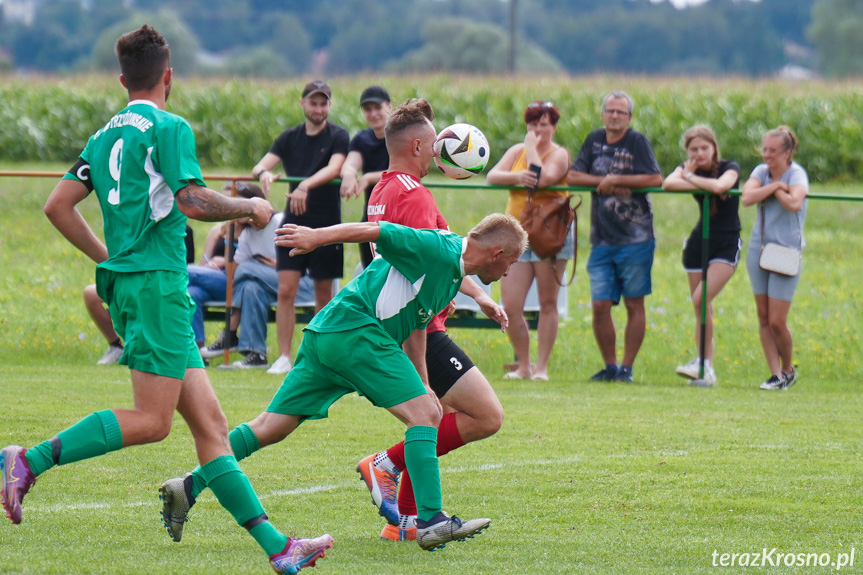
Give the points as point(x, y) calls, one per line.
point(367, 153)
point(315, 150)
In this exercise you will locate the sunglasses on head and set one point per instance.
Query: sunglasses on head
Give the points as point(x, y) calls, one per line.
point(540, 105)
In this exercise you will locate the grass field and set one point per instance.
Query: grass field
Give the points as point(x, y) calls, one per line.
point(650, 477)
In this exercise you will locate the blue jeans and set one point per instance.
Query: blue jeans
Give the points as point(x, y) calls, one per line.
point(205, 284)
point(256, 290)
point(620, 270)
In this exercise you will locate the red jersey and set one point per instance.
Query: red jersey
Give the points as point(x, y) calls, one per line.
point(401, 199)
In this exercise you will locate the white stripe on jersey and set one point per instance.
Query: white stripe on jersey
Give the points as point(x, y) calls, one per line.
point(395, 294)
point(407, 181)
point(161, 196)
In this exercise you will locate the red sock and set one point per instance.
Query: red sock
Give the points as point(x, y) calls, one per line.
point(407, 503)
point(448, 439)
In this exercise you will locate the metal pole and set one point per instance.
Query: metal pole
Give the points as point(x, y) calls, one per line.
point(229, 288)
point(705, 240)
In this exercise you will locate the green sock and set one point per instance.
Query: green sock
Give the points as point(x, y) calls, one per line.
point(233, 490)
point(198, 483)
point(422, 464)
point(97, 434)
point(244, 442)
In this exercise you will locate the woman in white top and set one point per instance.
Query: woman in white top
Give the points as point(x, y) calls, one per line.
point(779, 187)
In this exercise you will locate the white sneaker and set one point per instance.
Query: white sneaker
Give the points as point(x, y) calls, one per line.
point(281, 366)
point(690, 369)
point(112, 355)
point(775, 382)
point(709, 375)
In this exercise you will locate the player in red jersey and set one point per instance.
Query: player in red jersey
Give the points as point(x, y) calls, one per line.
point(472, 410)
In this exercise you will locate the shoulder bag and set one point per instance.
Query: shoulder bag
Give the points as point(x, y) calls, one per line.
point(548, 224)
point(777, 258)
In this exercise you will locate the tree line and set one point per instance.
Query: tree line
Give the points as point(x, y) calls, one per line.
point(283, 38)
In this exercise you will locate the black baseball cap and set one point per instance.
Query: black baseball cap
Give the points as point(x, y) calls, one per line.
point(317, 87)
point(374, 94)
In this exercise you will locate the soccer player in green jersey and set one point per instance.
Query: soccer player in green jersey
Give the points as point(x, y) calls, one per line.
point(418, 274)
point(144, 171)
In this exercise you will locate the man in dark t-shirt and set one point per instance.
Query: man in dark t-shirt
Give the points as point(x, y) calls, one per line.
point(315, 150)
point(367, 153)
point(615, 160)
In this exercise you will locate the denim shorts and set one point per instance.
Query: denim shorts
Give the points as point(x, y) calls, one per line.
point(566, 252)
point(620, 270)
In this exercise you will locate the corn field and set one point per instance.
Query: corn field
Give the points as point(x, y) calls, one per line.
point(235, 121)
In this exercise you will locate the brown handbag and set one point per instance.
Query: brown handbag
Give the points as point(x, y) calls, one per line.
point(547, 224)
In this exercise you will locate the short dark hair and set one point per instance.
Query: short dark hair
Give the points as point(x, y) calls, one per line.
point(143, 55)
point(411, 113)
point(248, 190)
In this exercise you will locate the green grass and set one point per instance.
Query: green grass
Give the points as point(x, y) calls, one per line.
point(583, 478)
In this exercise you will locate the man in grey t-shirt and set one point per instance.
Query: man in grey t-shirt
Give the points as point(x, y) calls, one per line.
point(615, 160)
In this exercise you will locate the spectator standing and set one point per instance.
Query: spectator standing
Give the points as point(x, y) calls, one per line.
point(314, 150)
point(538, 150)
point(706, 170)
point(615, 160)
point(779, 187)
point(367, 154)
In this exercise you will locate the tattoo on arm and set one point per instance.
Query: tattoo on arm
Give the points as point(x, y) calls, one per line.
point(207, 205)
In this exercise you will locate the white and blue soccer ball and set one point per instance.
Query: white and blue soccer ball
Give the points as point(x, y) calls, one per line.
point(461, 150)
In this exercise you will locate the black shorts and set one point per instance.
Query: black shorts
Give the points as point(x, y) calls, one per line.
point(724, 248)
point(324, 263)
point(445, 361)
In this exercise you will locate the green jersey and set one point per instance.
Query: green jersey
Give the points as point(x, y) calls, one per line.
point(419, 273)
point(136, 164)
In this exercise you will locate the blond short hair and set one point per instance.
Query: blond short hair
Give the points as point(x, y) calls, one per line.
point(501, 230)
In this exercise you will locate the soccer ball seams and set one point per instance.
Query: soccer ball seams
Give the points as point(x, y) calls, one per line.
point(461, 151)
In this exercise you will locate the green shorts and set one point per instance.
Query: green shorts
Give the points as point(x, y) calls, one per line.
point(152, 312)
point(329, 365)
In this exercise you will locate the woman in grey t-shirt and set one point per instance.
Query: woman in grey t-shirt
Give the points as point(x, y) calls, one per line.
point(779, 187)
